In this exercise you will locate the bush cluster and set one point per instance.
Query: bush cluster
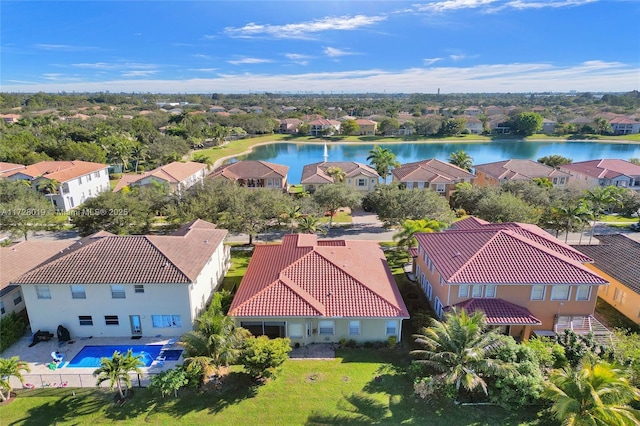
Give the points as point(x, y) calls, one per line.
point(12, 328)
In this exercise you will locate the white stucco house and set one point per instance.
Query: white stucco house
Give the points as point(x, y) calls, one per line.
point(178, 176)
point(75, 181)
point(108, 285)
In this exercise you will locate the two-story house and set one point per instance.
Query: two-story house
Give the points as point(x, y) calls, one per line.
point(431, 174)
point(359, 176)
point(367, 127)
point(75, 181)
point(518, 170)
point(605, 172)
point(521, 277)
point(254, 174)
point(324, 127)
point(178, 176)
point(624, 126)
point(109, 285)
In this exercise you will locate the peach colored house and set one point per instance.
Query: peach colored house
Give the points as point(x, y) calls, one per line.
point(367, 127)
point(360, 177)
point(617, 259)
point(431, 174)
point(177, 175)
point(518, 170)
point(319, 291)
point(525, 280)
point(254, 174)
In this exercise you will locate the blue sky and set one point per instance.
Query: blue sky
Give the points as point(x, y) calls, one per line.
point(202, 46)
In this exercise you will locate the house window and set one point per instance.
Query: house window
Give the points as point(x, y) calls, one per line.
point(392, 328)
point(537, 292)
point(43, 292)
point(476, 291)
point(619, 296)
point(490, 290)
point(85, 320)
point(17, 298)
point(437, 306)
point(429, 291)
point(325, 328)
point(166, 321)
point(111, 320)
point(139, 288)
point(295, 331)
point(463, 290)
point(560, 292)
point(77, 292)
point(2, 309)
point(89, 178)
point(97, 174)
point(117, 291)
point(354, 328)
point(440, 187)
point(441, 280)
point(583, 293)
point(80, 180)
point(361, 182)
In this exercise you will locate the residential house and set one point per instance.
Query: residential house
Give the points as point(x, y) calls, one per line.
point(624, 126)
point(177, 176)
point(579, 123)
point(216, 108)
point(234, 111)
point(10, 118)
point(499, 123)
point(518, 170)
point(323, 127)
point(358, 176)
point(521, 277)
point(473, 111)
point(367, 127)
point(605, 172)
point(617, 259)
point(493, 110)
point(109, 285)
point(319, 291)
point(18, 258)
point(255, 109)
point(254, 174)
point(431, 174)
point(290, 125)
point(474, 125)
point(76, 181)
point(548, 126)
point(6, 168)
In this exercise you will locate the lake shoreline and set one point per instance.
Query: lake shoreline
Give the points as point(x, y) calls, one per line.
point(220, 161)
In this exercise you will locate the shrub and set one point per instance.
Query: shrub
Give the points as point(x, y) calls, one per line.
point(169, 381)
point(392, 341)
point(262, 357)
point(12, 327)
point(548, 352)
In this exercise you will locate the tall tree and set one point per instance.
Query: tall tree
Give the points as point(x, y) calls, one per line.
point(116, 370)
point(459, 349)
point(11, 367)
point(592, 394)
point(461, 159)
point(23, 210)
point(349, 127)
point(526, 123)
point(336, 173)
point(332, 197)
point(383, 161)
point(571, 215)
point(406, 237)
point(599, 198)
point(554, 160)
point(309, 224)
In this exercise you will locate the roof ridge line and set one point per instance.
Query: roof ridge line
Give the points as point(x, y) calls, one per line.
point(167, 258)
point(305, 295)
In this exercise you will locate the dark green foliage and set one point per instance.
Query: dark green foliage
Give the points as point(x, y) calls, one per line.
point(262, 357)
point(554, 160)
point(549, 353)
point(12, 328)
point(526, 123)
point(169, 381)
point(577, 347)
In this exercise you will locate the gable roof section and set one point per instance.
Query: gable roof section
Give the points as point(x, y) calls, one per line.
point(134, 259)
point(172, 173)
point(431, 170)
point(250, 169)
point(516, 169)
point(501, 256)
point(62, 171)
point(302, 277)
point(604, 168)
point(618, 256)
point(317, 172)
point(500, 312)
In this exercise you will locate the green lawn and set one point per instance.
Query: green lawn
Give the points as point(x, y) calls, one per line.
point(239, 262)
point(614, 318)
point(340, 217)
point(359, 387)
point(616, 218)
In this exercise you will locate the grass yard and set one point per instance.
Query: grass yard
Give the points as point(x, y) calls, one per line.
point(361, 386)
point(614, 318)
point(239, 262)
point(339, 217)
point(617, 219)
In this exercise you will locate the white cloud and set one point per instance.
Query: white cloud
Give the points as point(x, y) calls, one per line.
point(333, 52)
point(249, 61)
point(497, 5)
point(203, 69)
point(304, 29)
point(527, 4)
point(296, 56)
point(457, 57)
point(145, 73)
point(430, 61)
point(63, 47)
point(590, 76)
point(442, 6)
point(95, 65)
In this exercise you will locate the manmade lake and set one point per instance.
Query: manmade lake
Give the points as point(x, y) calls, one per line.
point(296, 155)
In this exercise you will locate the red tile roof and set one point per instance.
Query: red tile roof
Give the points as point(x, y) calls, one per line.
point(505, 254)
point(605, 168)
point(306, 277)
point(104, 258)
point(519, 170)
point(431, 170)
point(249, 169)
point(317, 172)
point(62, 171)
point(500, 312)
point(174, 172)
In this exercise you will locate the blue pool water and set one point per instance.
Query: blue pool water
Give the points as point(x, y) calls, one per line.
point(90, 356)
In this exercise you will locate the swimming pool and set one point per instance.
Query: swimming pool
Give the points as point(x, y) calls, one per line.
point(90, 356)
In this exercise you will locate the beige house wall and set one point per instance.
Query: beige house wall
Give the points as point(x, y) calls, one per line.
point(618, 295)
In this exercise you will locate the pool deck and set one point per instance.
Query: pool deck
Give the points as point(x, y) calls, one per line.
point(39, 356)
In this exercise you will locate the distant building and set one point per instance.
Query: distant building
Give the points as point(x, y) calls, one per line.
point(254, 174)
point(518, 170)
point(431, 174)
point(177, 176)
point(605, 172)
point(358, 176)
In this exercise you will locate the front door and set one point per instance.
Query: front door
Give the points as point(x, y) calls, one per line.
point(136, 326)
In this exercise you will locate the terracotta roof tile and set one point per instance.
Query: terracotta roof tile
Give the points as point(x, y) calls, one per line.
point(516, 169)
point(62, 171)
point(302, 277)
point(500, 312)
point(250, 169)
point(604, 168)
point(431, 170)
point(317, 172)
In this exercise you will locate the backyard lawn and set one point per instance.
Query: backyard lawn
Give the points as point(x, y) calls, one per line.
point(361, 386)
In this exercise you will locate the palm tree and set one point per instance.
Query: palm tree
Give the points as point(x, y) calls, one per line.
point(570, 215)
point(310, 225)
point(204, 159)
point(382, 160)
point(139, 154)
point(459, 348)
point(599, 198)
point(116, 371)
point(49, 187)
point(214, 343)
point(336, 173)
point(461, 159)
point(292, 214)
point(406, 237)
point(11, 367)
point(593, 394)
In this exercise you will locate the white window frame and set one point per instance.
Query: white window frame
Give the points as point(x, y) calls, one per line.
point(354, 327)
point(533, 292)
point(17, 298)
point(440, 187)
point(391, 328)
point(555, 290)
point(581, 289)
point(85, 320)
point(477, 291)
point(118, 291)
point(43, 291)
point(166, 321)
point(361, 182)
point(463, 290)
point(490, 291)
point(296, 330)
point(78, 291)
point(326, 327)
